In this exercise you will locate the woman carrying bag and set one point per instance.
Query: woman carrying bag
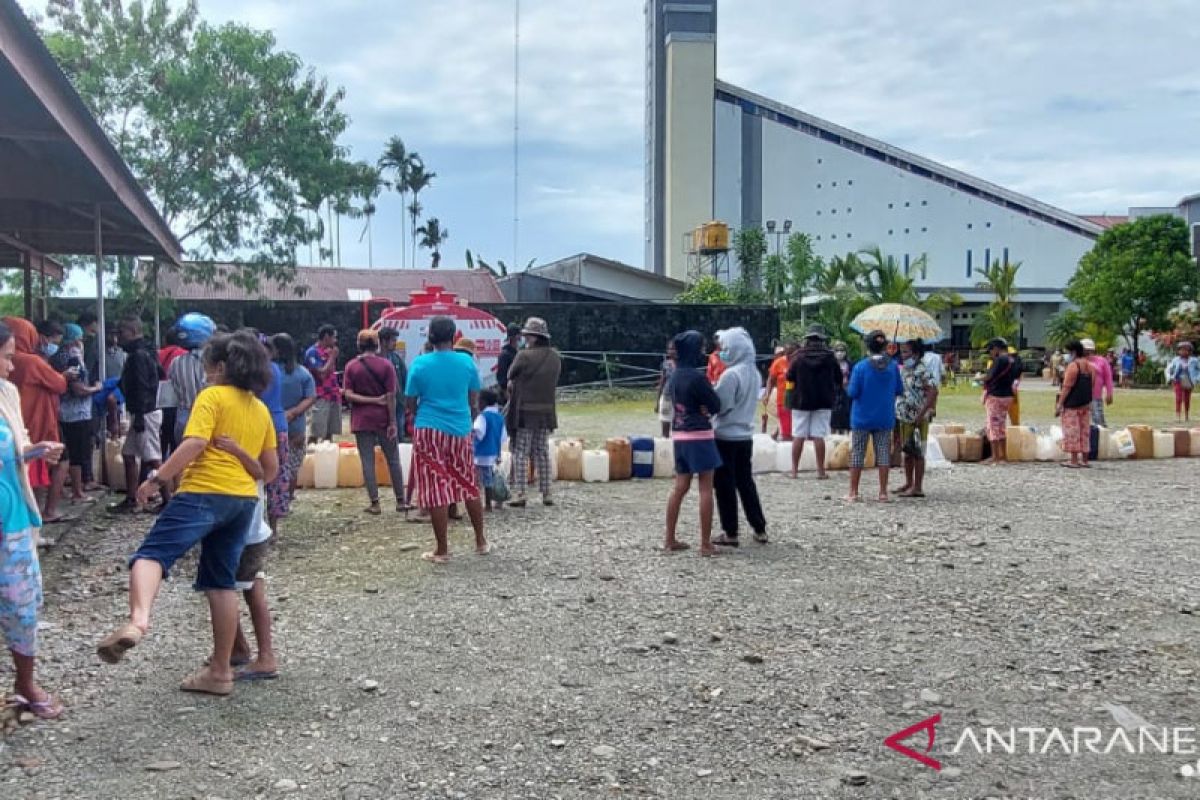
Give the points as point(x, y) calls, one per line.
point(1074, 405)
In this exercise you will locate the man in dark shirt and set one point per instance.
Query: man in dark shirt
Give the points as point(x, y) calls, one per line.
point(504, 363)
point(387, 348)
point(142, 451)
point(815, 376)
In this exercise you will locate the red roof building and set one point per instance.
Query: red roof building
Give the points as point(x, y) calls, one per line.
point(334, 284)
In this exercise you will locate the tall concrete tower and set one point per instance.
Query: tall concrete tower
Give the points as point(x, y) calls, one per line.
point(681, 72)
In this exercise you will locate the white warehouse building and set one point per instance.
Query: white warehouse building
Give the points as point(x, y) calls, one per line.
point(766, 161)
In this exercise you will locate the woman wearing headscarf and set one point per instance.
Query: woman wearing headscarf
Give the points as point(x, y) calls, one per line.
point(531, 413)
point(1183, 373)
point(20, 573)
point(41, 389)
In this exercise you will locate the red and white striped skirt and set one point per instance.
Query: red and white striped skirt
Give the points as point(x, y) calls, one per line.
point(443, 468)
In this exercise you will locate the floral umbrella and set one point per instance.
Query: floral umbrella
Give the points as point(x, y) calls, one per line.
point(900, 322)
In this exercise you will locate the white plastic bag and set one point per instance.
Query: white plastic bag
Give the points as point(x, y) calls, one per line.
point(1056, 433)
point(934, 458)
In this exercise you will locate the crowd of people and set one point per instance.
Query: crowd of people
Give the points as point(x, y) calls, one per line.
point(219, 423)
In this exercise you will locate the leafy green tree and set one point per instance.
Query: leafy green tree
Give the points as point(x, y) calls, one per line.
point(1000, 316)
point(1135, 275)
point(803, 266)
point(750, 248)
point(433, 236)
point(221, 126)
point(707, 290)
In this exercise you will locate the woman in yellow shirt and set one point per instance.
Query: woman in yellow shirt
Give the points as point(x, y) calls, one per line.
point(228, 432)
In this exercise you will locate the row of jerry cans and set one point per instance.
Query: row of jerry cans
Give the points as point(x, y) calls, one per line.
point(339, 466)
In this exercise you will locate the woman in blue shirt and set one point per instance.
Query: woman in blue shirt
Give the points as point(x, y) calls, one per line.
point(20, 573)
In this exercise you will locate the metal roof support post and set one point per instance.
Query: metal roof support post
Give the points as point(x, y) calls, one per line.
point(27, 289)
point(42, 270)
point(101, 336)
point(157, 314)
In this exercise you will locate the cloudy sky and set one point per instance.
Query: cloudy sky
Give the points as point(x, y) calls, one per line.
point(1091, 105)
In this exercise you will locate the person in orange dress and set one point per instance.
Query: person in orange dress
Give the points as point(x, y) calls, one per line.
point(715, 365)
point(777, 383)
point(41, 388)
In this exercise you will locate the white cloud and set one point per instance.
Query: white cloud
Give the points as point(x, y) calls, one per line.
point(1090, 105)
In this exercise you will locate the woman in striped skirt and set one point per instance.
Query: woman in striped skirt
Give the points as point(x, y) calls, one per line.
point(442, 395)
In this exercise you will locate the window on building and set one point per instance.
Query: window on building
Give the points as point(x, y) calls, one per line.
point(970, 226)
point(968, 262)
point(850, 183)
point(834, 183)
point(890, 231)
point(891, 205)
point(906, 264)
point(1006, 256)
point(848, 235)
point(833, 211)
point(924, 202)
point(818, 213)
point(834, 236)
point(924, 230)
point(907, 204)
point(906, 230)
point(989, 224)
point(849, 210)
point(987, 258)
point(820, 161)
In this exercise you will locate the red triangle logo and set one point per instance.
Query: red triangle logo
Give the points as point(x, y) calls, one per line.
point(927, 725)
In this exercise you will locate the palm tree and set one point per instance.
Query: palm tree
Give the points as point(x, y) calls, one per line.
point(433, 236)
point(368, 184)
point(419, 179)
point(885, 281)
point(999, 319)
point(397, 160)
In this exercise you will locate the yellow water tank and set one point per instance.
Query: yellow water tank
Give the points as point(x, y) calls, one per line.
point(711, 237)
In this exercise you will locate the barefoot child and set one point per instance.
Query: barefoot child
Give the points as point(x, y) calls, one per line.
point(250, 578)
point(694, 403)
point(489, 437)
point(213, 508)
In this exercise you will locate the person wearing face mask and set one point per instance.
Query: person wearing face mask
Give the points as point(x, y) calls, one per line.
point(840, 419)
point(914, 409)
point(41, 388)
point(75, 412)
point(50, 335)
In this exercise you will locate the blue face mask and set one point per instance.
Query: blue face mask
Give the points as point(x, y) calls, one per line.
point(49, 349)
point(724, 356)
point(910, 362)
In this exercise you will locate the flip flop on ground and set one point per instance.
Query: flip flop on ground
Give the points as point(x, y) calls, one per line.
point(46, 708)
point(203, 683)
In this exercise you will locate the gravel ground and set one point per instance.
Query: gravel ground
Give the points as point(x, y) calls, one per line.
point(577, 662)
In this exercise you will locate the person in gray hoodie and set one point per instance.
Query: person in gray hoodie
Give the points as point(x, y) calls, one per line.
point(738, 389)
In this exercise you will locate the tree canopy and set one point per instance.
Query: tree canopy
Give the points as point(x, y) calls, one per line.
point(1135, 275)
point(231, 136)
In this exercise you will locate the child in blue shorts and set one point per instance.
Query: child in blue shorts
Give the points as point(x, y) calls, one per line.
point(694, 403)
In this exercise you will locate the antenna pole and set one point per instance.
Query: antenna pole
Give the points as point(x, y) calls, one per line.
point(516, 133)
